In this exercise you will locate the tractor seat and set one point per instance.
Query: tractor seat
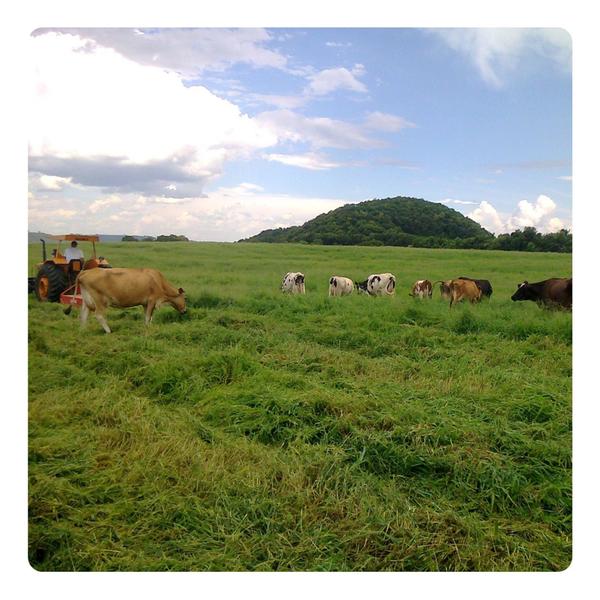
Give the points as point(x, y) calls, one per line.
point(75, 265)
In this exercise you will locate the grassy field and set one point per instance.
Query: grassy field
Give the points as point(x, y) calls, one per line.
point(271, 432)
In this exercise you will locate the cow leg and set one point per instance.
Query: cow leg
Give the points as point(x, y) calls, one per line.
point(85, 311)
point(102, 321)
point(149, 311)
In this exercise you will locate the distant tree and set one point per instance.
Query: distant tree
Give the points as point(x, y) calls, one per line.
point(129, 238)
point(172, 238)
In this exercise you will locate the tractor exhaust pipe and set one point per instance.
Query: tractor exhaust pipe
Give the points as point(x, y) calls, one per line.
point(43, 249)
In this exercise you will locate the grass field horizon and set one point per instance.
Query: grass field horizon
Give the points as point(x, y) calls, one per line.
point(268, 432)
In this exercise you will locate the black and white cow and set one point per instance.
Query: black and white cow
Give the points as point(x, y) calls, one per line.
point(293, 283)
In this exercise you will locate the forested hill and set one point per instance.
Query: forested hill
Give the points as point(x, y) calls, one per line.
point(388, 222)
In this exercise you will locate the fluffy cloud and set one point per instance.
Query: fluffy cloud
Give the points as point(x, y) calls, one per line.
point(496, 53)
point(487, 216)
point(106, 121)
point(329, 80)
point(48, 183)
point(226, 214)
point(538, 214)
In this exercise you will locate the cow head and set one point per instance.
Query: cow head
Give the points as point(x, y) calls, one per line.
point(524, 292)
point(178, 302)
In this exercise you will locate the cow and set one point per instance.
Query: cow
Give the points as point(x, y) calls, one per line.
point(445, 292)
point(550, 293)
point(293, 283)
point(340, 286)
point(483, 284)
point(421, 289)
point(124, 288)
point(464, 289)
point(378, 284)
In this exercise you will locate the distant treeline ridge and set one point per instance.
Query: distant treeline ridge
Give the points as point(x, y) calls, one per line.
point(413, 222)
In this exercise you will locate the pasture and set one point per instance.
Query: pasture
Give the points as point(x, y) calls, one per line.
point(269, 432)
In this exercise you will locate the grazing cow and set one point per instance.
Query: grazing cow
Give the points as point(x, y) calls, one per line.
point(293, 283)
point(483, 284)
point(445, 292)
point(340, 286)
point(379, 284)
point(123, 288)
point(421, 289)
point(550, 293)
point(461, 289)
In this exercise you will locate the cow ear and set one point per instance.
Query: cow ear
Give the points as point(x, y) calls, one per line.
point(180, 290)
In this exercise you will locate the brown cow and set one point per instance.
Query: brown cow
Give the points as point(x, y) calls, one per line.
point(550, 293)
point(444, 288)
point(461, 289)
point(123, 288)
point(421, 289)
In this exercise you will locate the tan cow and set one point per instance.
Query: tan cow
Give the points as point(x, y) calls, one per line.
point(461, 289)
point(444, 288)
point(340, 286)
point(123, 288)
point(421, 289)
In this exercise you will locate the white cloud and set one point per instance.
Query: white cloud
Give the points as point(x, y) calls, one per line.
point(48, 183)
point(338, 44)
point(386, 122)
point(451, 201)
point(226, 214)
point(496, 53)
point(538, 214)
point(103, 203)
point(318, 131)
point(487, 216)
point(566, 178)
point(326, 81)
point(310, 160)
point(185, 51)
point(278, 100)
point(104, 120)
point(530, 214)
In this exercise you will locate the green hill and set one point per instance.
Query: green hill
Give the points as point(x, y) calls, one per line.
point(396, 221)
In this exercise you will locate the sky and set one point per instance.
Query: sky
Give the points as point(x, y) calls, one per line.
point(217, 134)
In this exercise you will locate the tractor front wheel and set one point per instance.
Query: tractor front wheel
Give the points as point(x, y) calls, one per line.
point(50, 282)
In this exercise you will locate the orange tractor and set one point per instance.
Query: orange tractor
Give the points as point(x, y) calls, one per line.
point(56, 279)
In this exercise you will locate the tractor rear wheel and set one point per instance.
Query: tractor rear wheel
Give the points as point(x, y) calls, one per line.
point(50, 282)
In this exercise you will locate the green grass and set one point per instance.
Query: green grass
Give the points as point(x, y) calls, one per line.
point(269, 432)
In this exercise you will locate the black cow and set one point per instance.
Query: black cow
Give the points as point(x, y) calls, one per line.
point(550, 293)
point(483, 284)
point(362, 286)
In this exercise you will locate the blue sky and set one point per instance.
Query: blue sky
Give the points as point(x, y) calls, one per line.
point(218, 134)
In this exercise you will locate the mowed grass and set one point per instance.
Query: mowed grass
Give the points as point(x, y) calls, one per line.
point(271, 432)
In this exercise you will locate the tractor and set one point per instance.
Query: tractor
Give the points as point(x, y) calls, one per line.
point(56, 279)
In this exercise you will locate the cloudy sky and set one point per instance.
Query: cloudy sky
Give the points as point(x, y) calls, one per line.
point(217, 134)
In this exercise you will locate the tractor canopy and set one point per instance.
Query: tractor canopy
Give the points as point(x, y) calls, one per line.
point(74, 237)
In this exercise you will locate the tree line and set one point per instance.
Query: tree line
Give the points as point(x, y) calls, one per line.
point(160, 238)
